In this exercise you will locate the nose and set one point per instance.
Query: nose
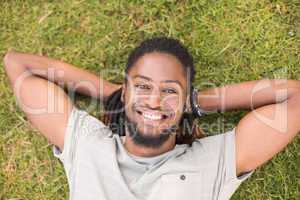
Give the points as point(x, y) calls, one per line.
point(154, 100)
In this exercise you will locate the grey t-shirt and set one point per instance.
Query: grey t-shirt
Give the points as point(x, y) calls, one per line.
point(98, 167)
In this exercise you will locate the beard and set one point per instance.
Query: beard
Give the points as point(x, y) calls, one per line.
point(148, 140)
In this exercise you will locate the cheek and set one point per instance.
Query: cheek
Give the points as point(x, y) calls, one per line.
point(171, 103)
point(174, 103)
point(135, 96)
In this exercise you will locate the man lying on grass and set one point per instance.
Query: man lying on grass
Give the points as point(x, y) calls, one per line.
point(149, 147)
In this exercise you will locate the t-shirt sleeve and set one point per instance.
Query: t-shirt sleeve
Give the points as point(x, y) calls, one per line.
point(221, 157)
point(80, 124)
point(231, 181)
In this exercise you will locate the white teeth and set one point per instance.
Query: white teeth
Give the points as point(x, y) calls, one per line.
point(152, 117)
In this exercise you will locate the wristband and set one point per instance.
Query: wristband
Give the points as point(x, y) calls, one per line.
point(194, 104)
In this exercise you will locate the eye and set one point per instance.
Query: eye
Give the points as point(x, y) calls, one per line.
point(142, 86)
point(170, 91)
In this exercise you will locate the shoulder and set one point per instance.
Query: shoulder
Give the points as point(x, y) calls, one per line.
point(212, 149)
point(85, 123)
point(215, 141)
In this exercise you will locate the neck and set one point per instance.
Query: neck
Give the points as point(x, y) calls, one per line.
point(141, 151)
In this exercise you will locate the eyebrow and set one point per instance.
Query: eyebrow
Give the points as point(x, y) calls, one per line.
point(165, 81)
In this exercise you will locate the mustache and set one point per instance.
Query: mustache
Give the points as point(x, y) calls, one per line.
point(144, 140)
point(139, 107)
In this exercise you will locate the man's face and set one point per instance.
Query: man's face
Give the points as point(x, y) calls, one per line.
point(154, 98)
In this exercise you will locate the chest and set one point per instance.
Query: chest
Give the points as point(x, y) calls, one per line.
point(98, 174)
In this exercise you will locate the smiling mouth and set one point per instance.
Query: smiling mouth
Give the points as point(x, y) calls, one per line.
point(152, 116)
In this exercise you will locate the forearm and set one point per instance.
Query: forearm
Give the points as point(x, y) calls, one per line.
point(247, 95)
point(62, 73)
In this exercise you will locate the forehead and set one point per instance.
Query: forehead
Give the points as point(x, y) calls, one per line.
point(159, 67)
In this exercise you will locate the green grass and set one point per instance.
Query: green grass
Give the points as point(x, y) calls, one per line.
point(232, 41)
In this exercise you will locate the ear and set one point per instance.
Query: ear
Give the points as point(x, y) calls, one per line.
point(187, 105)
point(123, 93)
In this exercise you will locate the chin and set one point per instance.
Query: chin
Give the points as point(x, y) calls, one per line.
point(149, 137)
point(153, 131)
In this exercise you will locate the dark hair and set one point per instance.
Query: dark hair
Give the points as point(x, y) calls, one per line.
point(164, 45)
point(115, 115)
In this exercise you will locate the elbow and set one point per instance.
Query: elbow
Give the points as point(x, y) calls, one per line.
point(8, 58)
point(295, 84)
point(296, 95)
point(293, 88)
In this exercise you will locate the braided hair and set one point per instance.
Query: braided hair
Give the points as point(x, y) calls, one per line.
point(114, 108)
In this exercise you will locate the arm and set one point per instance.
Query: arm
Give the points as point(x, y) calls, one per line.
point(247, 95)
point(43, 101)
point(64, 74)
point(265, 131)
